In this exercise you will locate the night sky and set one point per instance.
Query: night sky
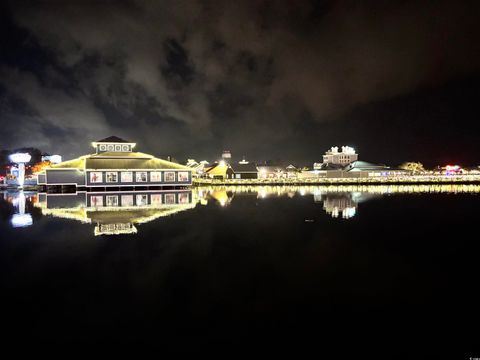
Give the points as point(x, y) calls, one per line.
point(271, 80)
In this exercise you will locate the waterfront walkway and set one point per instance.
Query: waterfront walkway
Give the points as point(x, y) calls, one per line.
point(412, 179)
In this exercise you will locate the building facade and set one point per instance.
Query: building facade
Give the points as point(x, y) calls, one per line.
point(344, 157)
point(115, 164)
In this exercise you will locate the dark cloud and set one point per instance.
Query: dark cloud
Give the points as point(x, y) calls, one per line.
point(265, 79)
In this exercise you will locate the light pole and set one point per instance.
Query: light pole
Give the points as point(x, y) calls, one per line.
point(20, 159)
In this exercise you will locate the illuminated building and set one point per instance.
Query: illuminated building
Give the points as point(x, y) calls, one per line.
point(221, 170)
point(115, 164)
point(334, 157)
point(244, 170)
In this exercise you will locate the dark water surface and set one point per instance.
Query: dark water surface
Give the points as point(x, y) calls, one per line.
point(245, 267)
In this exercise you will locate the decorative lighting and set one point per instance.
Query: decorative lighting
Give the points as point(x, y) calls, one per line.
point(21, 159)
point(21, 220)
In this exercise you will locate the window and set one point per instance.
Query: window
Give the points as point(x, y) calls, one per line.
point(112, 177)
point(183, 199)
point(170, 176)
point(96, 201)
point(112, 200)
point(156, 199)
point(169, 198)
point(142, 200)
point(127, 200)
point(127, 177)
point(96, 177)
point(125, 148)
point(183, 176)
point(155, 176)
point(141, 176)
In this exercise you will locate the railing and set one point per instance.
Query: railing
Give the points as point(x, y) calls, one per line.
point(344, 180)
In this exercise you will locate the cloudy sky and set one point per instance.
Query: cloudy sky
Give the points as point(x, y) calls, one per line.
point(398, 80)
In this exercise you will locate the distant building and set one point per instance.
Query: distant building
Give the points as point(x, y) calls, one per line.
point(221, 170)
point(226, 156)
point(54, 159)
point(115, 164)
point(271, 172)
point(334, 157)
point(244, 170)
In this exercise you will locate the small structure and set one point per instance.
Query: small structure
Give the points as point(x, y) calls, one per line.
point(334, 157)
point(115, 164)
point(226, 155)
point(221, 170)
point(20, 159)
point(245, 170)
point(271, 172)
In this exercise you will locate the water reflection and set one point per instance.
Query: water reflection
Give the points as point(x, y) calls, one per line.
point(20, 218)
point(121, 212)
point(115, 212)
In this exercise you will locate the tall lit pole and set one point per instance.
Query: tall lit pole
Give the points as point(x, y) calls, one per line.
point(20, 159)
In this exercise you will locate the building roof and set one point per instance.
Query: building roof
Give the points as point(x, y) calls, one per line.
point(219, 169)
point(244, 168)
point(118, 161)
point(330, 166)
point(270, 168)
point(364, 166)
point(113, 139)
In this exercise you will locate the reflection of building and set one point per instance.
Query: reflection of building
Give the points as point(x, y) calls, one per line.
point(116, 212)
point(116, 165)
point(339, 204)
point(20, 218)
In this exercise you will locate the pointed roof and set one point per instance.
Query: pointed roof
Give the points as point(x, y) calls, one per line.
point(113, 139)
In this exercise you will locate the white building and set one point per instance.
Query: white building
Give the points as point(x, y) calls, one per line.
point(344, 157)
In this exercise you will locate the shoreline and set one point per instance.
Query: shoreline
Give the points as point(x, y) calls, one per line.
point(467, 179)
point(410, 180)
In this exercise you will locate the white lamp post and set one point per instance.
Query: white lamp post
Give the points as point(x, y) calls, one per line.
point(20, 159)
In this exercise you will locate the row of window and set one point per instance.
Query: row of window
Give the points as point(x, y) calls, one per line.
point(96, 177)
point(140, 200)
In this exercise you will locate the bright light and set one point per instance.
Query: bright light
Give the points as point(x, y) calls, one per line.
point(54, 159)
point(21, 220)
point(20, 158)
point(221, 163)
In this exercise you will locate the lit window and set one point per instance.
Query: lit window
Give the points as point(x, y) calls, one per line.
point(156, 199)
point(112, 177)
point(127, 200)
point(169, 198)
point(183, 176)
point(183, 199)
point(96, 201)
point(127, 176)
point(155, 176)
point(141, 176)
point(96, 177)
point(112, 200)
point(169, 176)
point(142, 200)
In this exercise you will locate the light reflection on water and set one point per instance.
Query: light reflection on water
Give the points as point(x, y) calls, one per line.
point(119, 212)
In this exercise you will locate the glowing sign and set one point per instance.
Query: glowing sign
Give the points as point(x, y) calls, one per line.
point(20, 158)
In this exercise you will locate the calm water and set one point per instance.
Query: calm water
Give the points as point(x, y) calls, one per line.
point(244, 266)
